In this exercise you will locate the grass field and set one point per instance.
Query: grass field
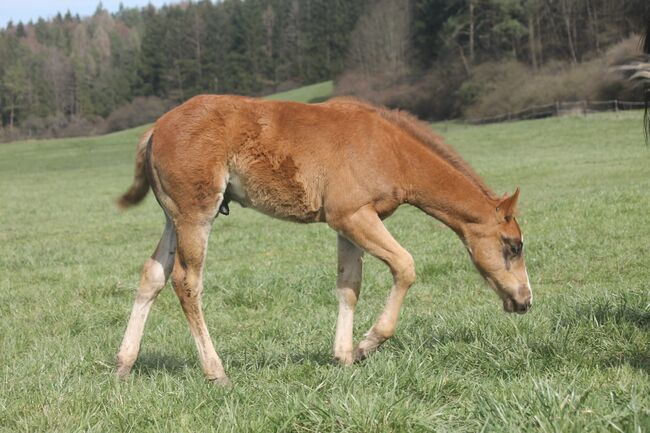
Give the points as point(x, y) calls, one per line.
point(313, 93)
point(578, 362)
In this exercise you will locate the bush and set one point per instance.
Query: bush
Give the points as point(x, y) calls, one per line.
point(137, 112)
point(496, 88)
point(78, 126)
point(54, 126)
point(430, 95)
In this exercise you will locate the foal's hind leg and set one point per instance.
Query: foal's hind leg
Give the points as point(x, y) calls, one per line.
point(366, 229)
point(187, 279)
point(154, 275)
point(348, 283)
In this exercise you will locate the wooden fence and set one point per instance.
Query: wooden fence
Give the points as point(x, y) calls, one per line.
point(561, 108)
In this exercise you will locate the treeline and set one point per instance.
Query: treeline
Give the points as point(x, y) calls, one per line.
point(451, 58)
point(69, 75)
point(438, 58)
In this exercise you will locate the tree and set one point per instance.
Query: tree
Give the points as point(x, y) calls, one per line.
point(15, 85)
point(381, 39)
point(20, 30)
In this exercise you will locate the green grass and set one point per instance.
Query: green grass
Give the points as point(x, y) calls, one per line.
point(314, 93)
point(579, 361)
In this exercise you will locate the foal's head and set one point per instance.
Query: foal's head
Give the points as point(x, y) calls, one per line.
point(497, 249)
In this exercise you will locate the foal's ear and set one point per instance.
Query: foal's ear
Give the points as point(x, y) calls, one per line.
point(506, 207)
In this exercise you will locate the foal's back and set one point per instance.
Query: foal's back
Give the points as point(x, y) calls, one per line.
point(293, 161)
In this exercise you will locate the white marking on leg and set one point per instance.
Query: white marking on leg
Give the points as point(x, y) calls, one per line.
point(155, 272)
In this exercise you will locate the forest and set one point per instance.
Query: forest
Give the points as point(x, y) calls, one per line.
point(441, 59)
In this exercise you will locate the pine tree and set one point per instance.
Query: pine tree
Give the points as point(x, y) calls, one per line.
point(20, 30)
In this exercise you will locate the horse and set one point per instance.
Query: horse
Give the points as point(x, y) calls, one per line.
point(343, 162)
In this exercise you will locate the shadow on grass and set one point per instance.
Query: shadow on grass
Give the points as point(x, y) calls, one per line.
point(629, 309)
point(641, 361)
point(149, 363)
point(574, 329)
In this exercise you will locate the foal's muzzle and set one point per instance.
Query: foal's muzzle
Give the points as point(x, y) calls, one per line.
point(511, 305)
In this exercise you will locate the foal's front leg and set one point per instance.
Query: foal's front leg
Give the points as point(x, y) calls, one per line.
point(366, 230)
point(348, 283)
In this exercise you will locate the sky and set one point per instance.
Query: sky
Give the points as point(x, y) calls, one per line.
point(24, 10)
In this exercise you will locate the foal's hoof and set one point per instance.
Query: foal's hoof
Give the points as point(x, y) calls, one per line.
point(363, 350)
point(360, 354)
point(222, 382)
point(123, 372)
point(345, 360)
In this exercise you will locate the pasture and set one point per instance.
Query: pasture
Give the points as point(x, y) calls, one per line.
point(578, 361)
point(313, 93)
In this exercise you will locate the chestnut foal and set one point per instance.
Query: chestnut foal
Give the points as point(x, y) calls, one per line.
point(342, 162)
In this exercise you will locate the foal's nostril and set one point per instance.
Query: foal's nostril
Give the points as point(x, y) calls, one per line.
point(522, 308)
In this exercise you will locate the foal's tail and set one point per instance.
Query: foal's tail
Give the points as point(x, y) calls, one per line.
point(140, 186)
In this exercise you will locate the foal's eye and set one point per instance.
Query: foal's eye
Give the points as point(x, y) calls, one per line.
point(512, 247)
point(516, 247)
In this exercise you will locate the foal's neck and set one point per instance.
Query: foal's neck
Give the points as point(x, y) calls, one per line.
point(446, 193)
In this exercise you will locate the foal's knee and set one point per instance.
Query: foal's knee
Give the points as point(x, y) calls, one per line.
point(152, 278)
point(404, 272)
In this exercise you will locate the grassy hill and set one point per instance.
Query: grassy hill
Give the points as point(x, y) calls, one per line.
point(579, 361)
point(314, 93)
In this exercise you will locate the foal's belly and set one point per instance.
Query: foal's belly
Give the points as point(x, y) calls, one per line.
point(276, 196)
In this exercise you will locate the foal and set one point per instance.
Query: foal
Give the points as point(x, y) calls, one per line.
point(342, 162)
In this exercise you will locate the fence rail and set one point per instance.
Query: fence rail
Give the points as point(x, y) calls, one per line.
point(560, 108)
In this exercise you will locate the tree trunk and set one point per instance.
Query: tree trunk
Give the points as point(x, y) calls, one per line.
point(471, 31)
point(593, 21)
point(197, 43)
point(540, 44)
point(531, 42)
point(569, 31)
point(464, 59)
point(179, 78)
point(11, 116)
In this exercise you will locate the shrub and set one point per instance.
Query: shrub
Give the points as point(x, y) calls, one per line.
point(137, 112)
point(497, 88)
point(430, 95)
point(78, 126)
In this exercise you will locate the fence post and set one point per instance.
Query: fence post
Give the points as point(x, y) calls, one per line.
point(557, 108)
point(616, 105)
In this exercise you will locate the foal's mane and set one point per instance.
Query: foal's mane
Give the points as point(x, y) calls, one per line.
point(424, 134)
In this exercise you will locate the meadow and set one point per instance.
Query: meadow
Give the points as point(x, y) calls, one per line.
point(318, 92)
point(578, 361)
